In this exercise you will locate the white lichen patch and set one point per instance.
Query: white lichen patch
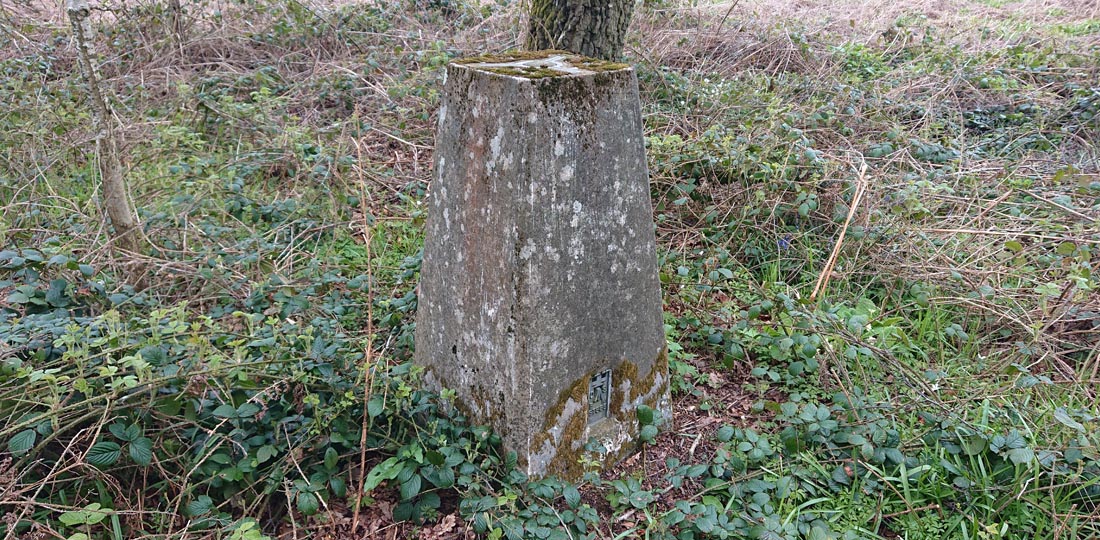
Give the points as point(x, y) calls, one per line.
point(539, 461)
point(494, 148)
point(576, 248)
point(567, 173)
point(527, 250)
point(616, 439)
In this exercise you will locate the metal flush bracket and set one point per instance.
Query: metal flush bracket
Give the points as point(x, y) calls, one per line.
point(599, 396)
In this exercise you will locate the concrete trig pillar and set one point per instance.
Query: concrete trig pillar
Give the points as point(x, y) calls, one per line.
point(540, 304)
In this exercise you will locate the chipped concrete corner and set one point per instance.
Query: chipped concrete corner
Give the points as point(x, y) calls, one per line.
point(540, 265)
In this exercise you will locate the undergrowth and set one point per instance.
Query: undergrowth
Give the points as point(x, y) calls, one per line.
point(248, 376)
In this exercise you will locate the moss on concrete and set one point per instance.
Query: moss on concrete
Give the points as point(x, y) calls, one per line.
point(513, 56)
point(527, 72)
point(569, 447)
point(595, 64)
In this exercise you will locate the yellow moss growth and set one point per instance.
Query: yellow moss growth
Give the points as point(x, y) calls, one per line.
point(564, 462)
point(570, 446)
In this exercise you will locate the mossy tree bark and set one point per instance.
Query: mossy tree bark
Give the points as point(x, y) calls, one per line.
point(595, 28)
point(116, 198)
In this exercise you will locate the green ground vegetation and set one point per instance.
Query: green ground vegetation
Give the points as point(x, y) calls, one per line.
point(247, 377)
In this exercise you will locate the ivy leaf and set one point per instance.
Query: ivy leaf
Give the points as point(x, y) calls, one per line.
point(141, 451)
point(648, 433)
point(104, 453)
point(22, 442)
point(645, 415)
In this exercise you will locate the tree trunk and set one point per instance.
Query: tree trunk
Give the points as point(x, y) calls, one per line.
point(593, 28)
point(116, 200)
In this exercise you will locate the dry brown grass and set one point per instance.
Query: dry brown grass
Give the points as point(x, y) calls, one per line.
point(976, 208)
